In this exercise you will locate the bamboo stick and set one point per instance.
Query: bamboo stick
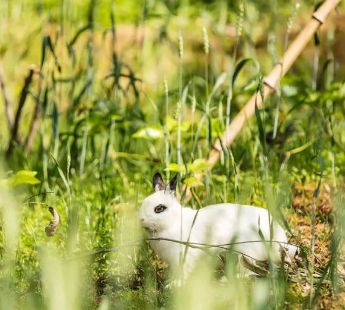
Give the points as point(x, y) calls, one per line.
point(271, 80)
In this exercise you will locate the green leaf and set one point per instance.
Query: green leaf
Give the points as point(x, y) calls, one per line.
point(176, 168)
point(239, 67)
point(193, 182)
point(198, 165)
point(22, 177)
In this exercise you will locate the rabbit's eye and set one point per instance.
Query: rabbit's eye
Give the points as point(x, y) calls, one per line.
point(160, 208)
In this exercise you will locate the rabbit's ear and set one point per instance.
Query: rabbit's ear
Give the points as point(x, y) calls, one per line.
point(158, 183)
point(172, 184)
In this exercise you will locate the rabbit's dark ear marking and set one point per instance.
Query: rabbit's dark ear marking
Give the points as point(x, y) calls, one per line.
point(172, 184)
point(158, 183)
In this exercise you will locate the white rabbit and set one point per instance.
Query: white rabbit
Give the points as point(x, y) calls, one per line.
point(247, 227)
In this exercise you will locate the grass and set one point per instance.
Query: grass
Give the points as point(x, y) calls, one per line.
point(121, 91)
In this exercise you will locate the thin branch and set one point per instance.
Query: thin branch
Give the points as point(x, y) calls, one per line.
point(196, 198)
point(196, 245)
point(36, 195)
point(22, 99)
point(21, 102)
point(221, 246)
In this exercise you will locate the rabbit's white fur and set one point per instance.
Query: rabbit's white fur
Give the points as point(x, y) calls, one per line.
point(215, 225)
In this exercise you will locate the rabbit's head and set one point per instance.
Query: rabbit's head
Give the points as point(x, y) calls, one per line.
point(161, 209)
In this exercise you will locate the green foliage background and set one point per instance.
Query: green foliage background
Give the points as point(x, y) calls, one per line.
point(127, 88)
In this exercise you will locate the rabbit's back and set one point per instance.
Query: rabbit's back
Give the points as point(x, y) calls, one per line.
point(243, 226)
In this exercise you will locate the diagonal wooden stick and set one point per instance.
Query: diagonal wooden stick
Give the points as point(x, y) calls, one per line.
point(271, 81)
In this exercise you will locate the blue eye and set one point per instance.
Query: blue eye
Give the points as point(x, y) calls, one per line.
point(160, 208)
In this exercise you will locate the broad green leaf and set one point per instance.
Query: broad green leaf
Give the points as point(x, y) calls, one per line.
point(198, 165)
point(176, 168)
point(22, 177)
point(193, 182)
